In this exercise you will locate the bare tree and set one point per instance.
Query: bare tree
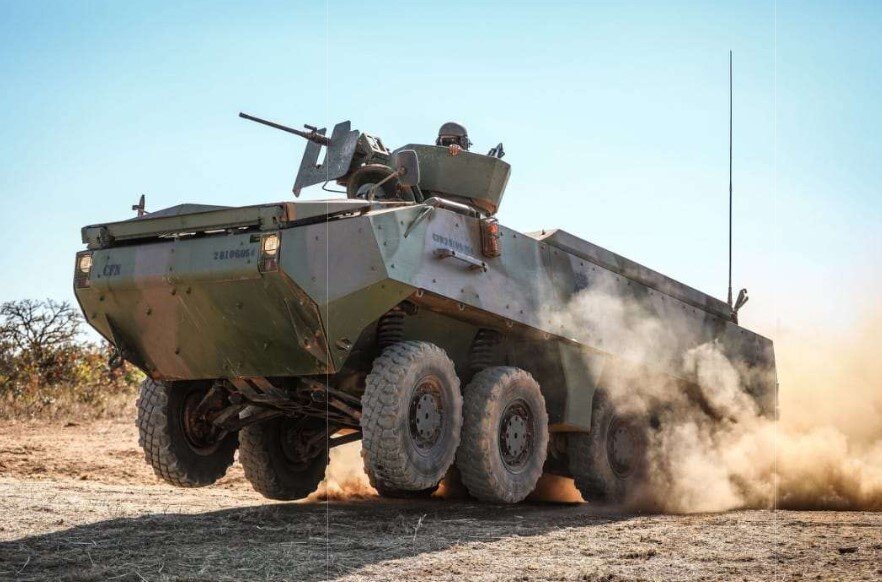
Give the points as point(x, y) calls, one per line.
point(38, 328)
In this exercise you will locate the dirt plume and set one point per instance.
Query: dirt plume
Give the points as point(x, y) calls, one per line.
point(824, 453)
point(345, 478)
point(555, 489)
point(830, 436)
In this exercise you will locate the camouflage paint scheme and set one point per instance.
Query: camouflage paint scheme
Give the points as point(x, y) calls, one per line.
point(179, 292)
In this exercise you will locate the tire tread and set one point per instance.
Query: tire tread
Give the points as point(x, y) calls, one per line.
point(256, 458)
point(479, 441)
point(385, 462)
point(156, 441)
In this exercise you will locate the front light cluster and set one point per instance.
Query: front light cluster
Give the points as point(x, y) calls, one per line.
point(271, 245)
point(269, 253)
point(83, 272)
point(85, 263)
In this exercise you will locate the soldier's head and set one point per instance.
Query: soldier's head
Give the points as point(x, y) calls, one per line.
point(452, 133)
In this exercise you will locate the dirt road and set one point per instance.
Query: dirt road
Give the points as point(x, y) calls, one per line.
point(79, 504)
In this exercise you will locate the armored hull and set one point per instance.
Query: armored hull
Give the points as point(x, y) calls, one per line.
point(187, 299)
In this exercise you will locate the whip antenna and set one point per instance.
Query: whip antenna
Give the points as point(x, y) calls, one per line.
point(742, 295)
point(730, 181)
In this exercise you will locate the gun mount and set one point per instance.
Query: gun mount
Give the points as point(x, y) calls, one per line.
point(367, 169)
point(347, 150)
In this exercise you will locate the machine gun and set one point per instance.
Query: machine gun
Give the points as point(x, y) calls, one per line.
point(314, 135)
point(339, 159)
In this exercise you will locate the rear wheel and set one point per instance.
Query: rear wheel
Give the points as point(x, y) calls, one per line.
point(184, 448)
point(411, 419)
point(505, 435)
point(610, 463)
point(284, 458)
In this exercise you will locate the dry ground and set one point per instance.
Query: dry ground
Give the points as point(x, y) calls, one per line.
point(79, 504)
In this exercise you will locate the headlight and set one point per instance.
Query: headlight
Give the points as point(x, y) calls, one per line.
point(85, 263)
point(269, 253)
point(83, 272)
point(271, 245)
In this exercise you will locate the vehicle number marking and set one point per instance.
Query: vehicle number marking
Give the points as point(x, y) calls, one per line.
point(453, 244)
point(234, 254)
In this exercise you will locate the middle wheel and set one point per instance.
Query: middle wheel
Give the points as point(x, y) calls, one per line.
point(411, 418)
point(504, 437)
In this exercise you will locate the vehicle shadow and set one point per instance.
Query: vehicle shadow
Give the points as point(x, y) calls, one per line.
point(295, 541)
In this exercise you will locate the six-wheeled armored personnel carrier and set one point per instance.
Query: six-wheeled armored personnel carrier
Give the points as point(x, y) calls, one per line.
point(403, 315)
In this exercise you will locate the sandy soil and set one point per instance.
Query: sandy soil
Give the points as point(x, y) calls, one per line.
point(80, 504)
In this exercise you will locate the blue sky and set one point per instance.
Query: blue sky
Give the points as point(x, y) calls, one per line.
point(614, 117)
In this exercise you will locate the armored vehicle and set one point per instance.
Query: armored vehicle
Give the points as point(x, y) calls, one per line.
point(404, 315)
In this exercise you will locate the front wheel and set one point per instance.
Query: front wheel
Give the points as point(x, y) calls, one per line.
point(505, 435)
point(178, 440)
point(384, 490)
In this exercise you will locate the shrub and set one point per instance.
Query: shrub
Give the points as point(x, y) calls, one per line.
point(48, 370)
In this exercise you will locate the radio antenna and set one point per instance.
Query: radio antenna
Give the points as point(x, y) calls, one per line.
point(730, 181)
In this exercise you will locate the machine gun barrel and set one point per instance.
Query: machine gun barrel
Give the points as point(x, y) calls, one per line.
point(312, 135)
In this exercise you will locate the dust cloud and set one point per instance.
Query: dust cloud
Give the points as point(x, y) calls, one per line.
point(830, 435)
point(556, 489)
point(825, 452)
point(345, 478)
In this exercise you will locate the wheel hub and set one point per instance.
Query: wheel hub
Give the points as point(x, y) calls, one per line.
point(301, 442)
point(516, 435)
point(201, 434)
point(624, 447)
point(426, 413)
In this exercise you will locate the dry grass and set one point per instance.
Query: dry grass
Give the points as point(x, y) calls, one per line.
point(80, 504)
point(87, 531)
point(66, 402)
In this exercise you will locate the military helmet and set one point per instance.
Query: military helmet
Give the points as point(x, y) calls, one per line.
point(453, 133)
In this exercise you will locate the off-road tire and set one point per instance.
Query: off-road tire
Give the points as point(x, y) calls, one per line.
point(384, 490)
point(589, 455)
point(393, 493)
point(480, 458)
point(166, 448)
point(267, 467)
point(392, 457)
